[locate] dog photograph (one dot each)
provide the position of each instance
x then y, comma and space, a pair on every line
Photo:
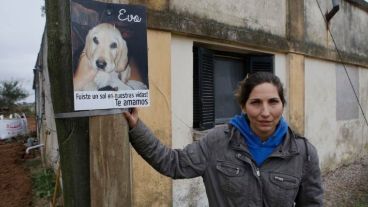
109, 54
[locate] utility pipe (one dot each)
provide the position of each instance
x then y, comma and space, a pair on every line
33, 147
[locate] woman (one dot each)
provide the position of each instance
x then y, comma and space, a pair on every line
256, 160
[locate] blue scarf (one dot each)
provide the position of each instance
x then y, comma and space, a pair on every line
258, 149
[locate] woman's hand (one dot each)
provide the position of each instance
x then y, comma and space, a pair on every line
132, 117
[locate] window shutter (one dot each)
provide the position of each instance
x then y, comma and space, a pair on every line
203, 89
261, 63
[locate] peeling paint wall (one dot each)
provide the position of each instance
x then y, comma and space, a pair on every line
269, 16
346, 92
363, 88
338, 141
348, 26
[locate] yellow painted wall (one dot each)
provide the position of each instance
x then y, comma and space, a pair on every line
149, 187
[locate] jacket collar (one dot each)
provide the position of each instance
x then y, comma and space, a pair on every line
286, 149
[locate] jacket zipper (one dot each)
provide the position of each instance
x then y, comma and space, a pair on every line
258, 172
282, 179
236, 169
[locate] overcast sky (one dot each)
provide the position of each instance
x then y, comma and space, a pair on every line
20, 38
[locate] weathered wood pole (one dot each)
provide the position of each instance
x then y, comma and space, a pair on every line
109, 161
72, 133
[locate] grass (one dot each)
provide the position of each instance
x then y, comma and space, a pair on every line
44, 183
362, 202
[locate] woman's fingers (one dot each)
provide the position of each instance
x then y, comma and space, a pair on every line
134, 112
132, 117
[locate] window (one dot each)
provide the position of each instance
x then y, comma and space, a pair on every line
215, 77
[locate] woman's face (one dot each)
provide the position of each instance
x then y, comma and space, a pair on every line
264, 109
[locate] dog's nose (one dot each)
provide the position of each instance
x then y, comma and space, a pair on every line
101, 64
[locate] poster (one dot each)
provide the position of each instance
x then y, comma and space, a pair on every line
109, 51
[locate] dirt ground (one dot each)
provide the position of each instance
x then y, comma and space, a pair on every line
348, 185
15, 181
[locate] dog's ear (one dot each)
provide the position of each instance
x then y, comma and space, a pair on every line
121, 60
88, 44
124, 76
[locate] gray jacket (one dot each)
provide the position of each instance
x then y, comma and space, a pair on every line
290, 176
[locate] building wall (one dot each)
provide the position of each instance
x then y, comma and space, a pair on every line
45, 113
186, 192
333, 120
239, 13
281, 26
282, 72
347, 27
150, 188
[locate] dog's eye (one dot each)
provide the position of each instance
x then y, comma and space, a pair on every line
95, 40
113, 45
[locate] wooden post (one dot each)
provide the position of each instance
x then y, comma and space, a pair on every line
72, 133
106, 135
110, 161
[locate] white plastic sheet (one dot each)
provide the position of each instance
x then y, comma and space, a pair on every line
13, 126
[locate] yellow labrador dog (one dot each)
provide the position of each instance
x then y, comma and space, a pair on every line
104, 61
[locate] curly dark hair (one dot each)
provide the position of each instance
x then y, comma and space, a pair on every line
246, 86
